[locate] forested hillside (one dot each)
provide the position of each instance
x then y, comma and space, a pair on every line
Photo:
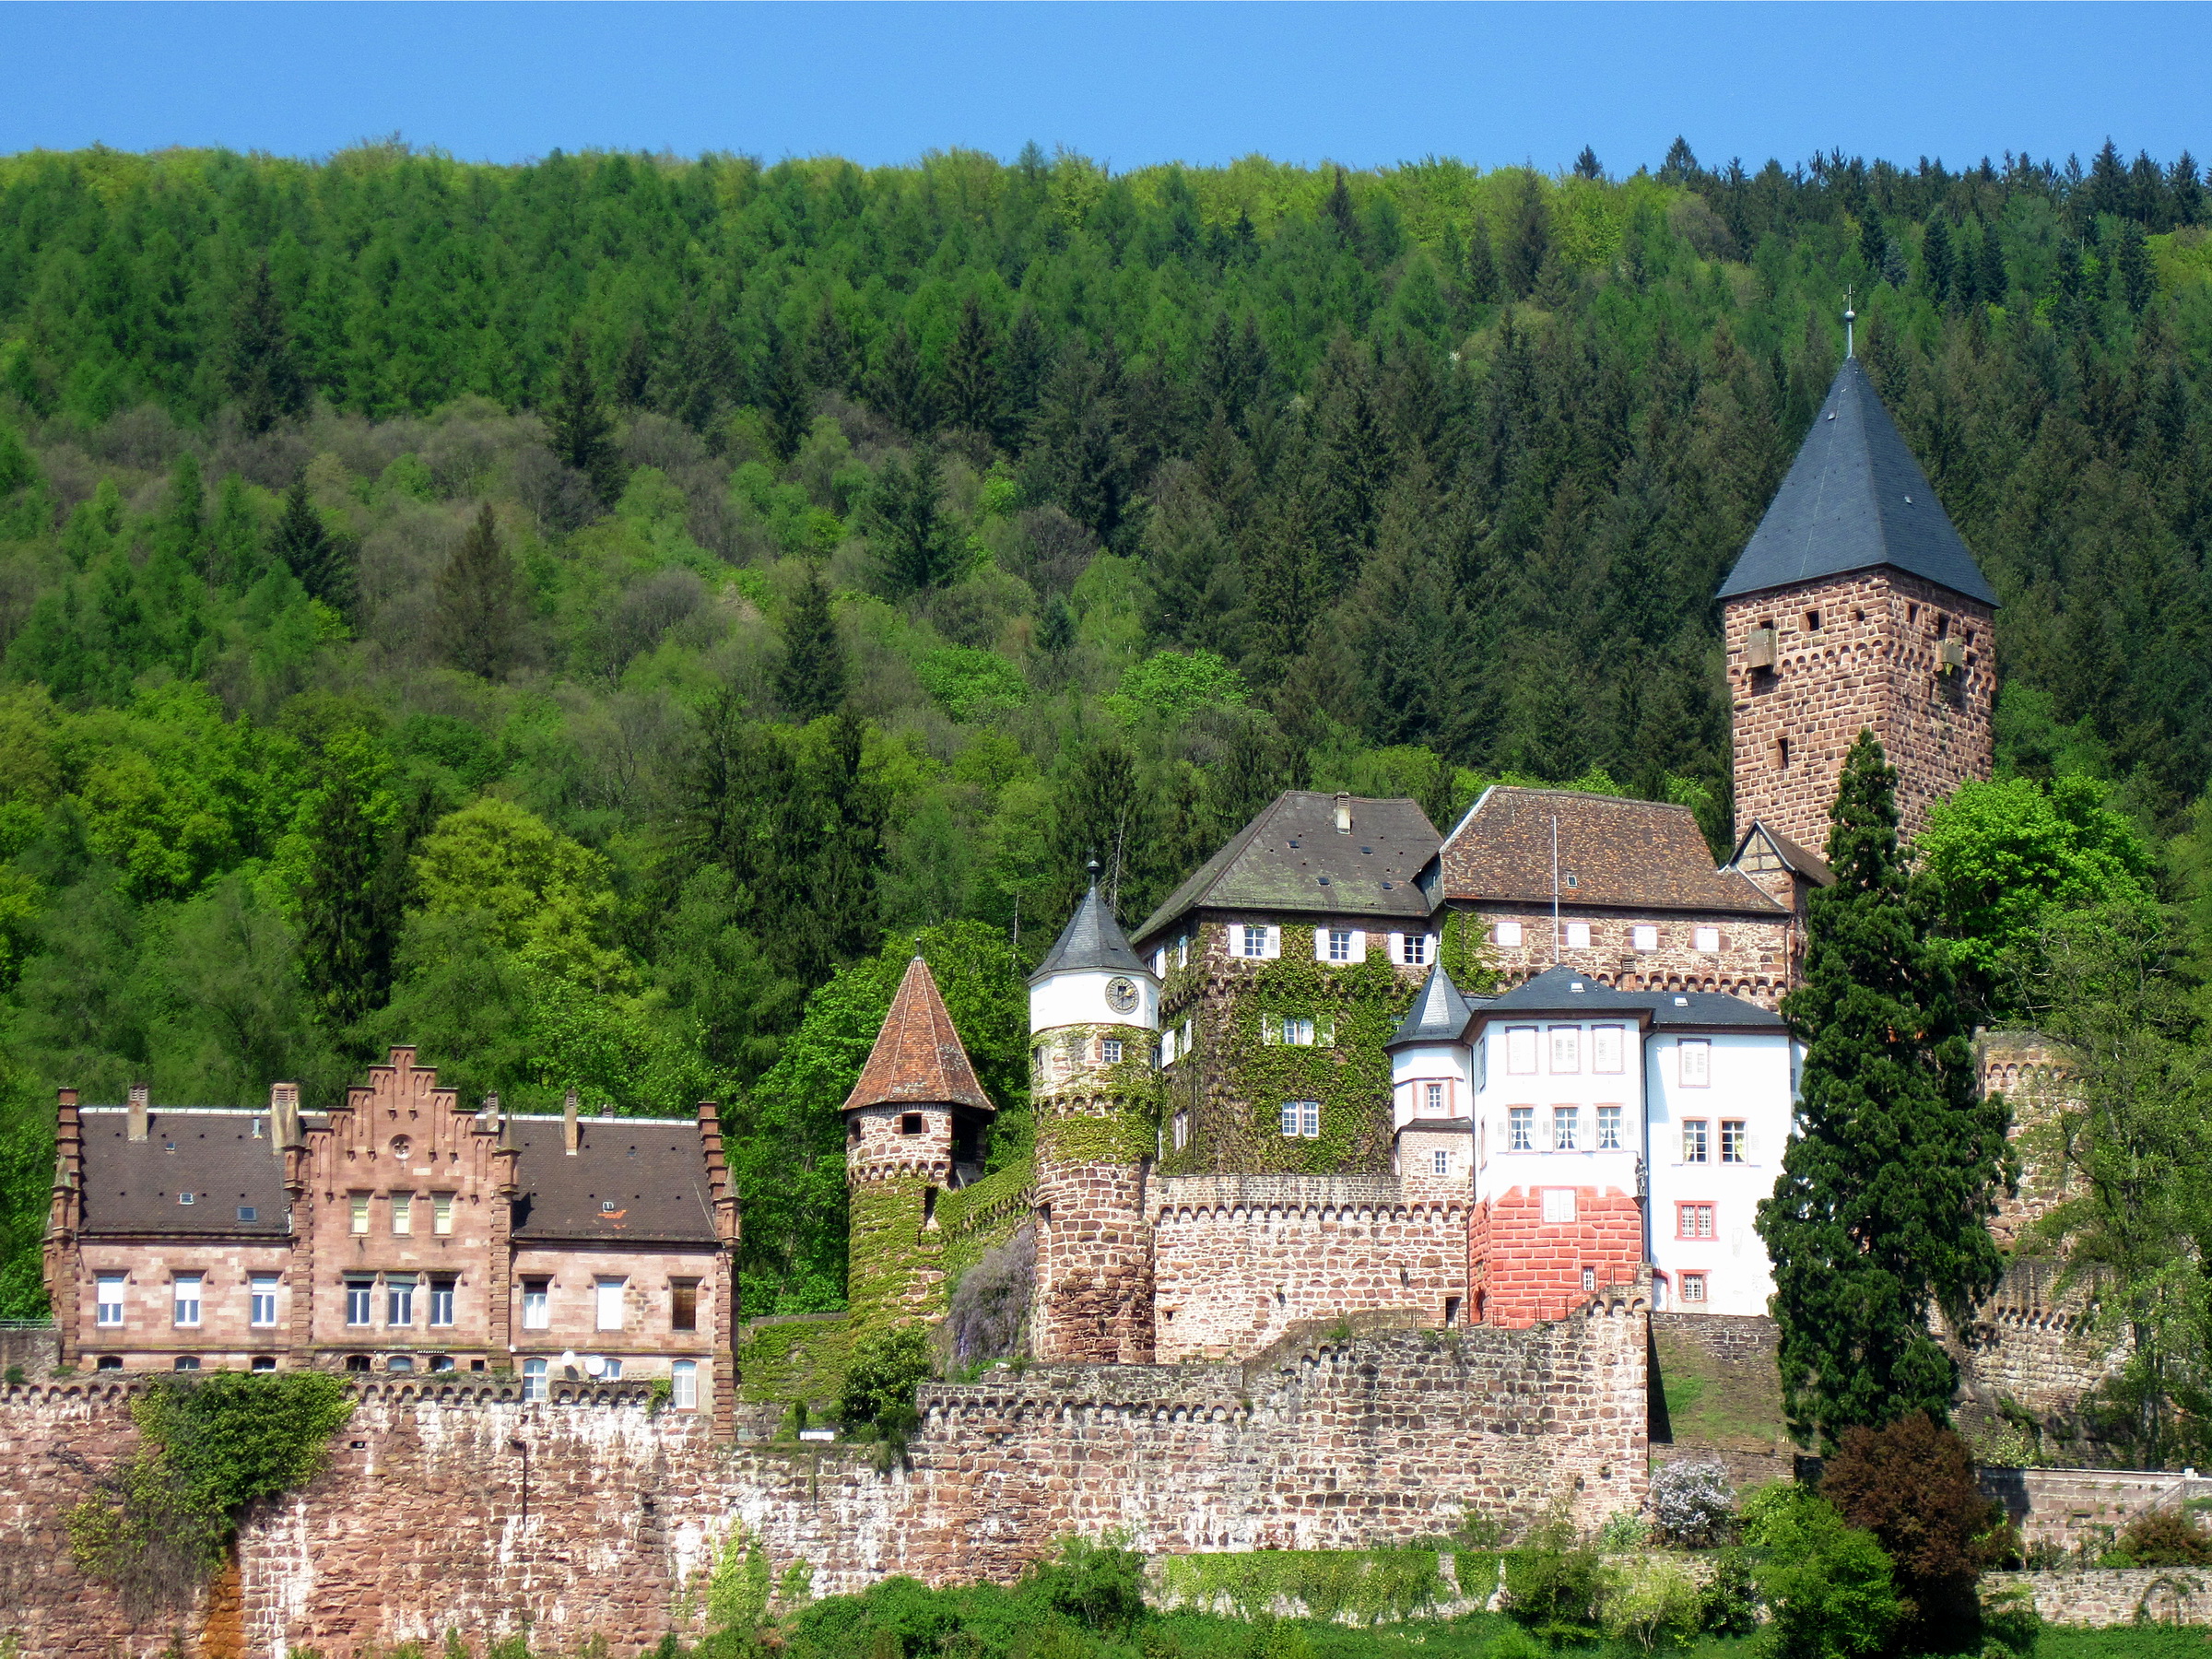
560, 615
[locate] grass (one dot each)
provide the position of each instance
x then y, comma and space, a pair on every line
1710, 1402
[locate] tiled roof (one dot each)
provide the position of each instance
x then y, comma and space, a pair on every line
1092, 938
1619, 854
633, 1180
1855, 500
137, 1186
917, 1056
1292, 857
1568, 991
1439, 1012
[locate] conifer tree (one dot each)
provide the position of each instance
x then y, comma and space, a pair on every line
1482, 263
1025, 363
1881, 1213
344, 940
477, 626
634, 379
811, 679
1874, 241
304, 545
897, 389
2186, 190
701, 369
971, 382
832, 360
1340, 216
919, 543
1936, 258
1586, 165
234, 541
577, 429
784, 397
1991, 283
2135, 279
1531, 240
259, 370
184, 527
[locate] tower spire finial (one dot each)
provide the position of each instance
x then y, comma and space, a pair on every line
1850, 316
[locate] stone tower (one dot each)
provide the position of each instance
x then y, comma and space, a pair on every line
1854, 604
1094, 1017
914, 1127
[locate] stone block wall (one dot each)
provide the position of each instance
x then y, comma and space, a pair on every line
2180, 1595
1755, 960
1093, 1295
1526, 1268
2070, 1507
1239, 1259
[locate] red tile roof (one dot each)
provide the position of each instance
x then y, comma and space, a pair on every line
1613, 851
917, 1056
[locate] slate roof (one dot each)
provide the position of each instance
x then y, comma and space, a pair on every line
1439, 1013
1292, 857
917, 1056
651, 1170
1647, 855
136, 1186
1569, 991
1092, 938
1855, 500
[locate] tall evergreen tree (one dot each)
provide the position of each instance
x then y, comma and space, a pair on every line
1936, 257
1482, 263
1531, 240
920, 544
784, 398
634, 379
1991, 284
1881, 1213
477, 626
1341, 215
969, 395
1586, 165
346, 935
2136, 281
810, 680
304, 545
577, 428
259, 369
700, 374
899, 389
1025, 363
844, 919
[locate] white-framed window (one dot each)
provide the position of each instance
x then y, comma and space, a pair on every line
607, 1302
1255, 940
261, 1299
399, 1301
1643, 936
360, 1298
1183, 951
1706, 939
107, 1304
1335, 944
683, 1385
1558, 1206
1577, 936
1109, 1051
1566, 1049
357, 1214
1566, 1129
403, 1215
1693, 1140
534, 1378
1301, 1119
1693, 1287
441, 1214
537, 1304
1607, 1043
1160, 963
1732, 1138
1413, 949
1521, 1051
1435, 1100
1520, 1129
610, 1370
1298, 1030
1608, 1129
1179, 1130
441, 1301
1694, 1063
1442, 1162
185, 1290
1507, 934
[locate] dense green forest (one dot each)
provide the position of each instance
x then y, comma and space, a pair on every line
560, 615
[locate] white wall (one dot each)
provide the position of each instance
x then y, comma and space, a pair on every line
1499, 1089
1079, 998
1449, 1063
1750, 1076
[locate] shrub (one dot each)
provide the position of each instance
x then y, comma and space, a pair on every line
2165, 1538
1650, 1604
1099, 1585
1624, 1533
1826, 1584
990, 1305
1552, 1584
1693, 1503
877, 1402
1729, 1605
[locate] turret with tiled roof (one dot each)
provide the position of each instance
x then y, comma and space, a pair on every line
918, 1056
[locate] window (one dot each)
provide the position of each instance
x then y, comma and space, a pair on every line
1109, 1051
1415, 948
359, 1292
1693, 1287
1301, 1119
1298, 1030
1183, 951
1558, 1204
534, 1378
608, 1302
441, 1301
357, 1216
1607, 1043
1577, 936
1432, 1099
107, 1362
1693, 1140
1694, 1220
1443, 1160
1160, 963
400, 1362
264, 1362
1338, 945
1732, 1140
402, 1214
1521, 1051
108, 1300
1450, 1311
261, 1303
399, 1301
1507, 934
1181, 1127
1696, 1062
441, 1214
357, 1362
1589, 1279
610, 1370
909, 1123
1253, 941
1782, 754
247, 1212
1520, 1129
187, 1298
1608, 1128
1566, 1127
442, 1362
1812, 625
187, 1362
683, 1305
1707, 939
683, 1385
537, 1304
1566, 1049
1643, 937
185, 1198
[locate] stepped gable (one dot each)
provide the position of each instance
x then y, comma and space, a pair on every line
1092, 939
1293, 857
651, 1170
1612, 851
917, 1057
1855, 499
224, 1159
1439, 1013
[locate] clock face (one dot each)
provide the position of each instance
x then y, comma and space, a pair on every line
1121, 994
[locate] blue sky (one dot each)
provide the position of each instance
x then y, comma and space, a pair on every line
1130, 83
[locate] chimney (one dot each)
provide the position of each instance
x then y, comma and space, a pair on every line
488, 1114
284, 1115
1344, 813
570, 1133
65, 1098
138, 1095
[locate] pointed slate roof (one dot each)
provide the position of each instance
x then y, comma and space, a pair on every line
1855, 500
1092, 938
1439, 1013
917, 1057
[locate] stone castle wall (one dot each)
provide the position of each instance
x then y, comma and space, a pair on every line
464, 1508
1755, 960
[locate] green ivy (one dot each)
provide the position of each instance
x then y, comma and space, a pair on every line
1464, 953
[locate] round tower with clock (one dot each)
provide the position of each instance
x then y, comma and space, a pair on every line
1094, 1019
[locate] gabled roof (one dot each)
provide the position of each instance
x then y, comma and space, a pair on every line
223, 1157
1791, 856
1439, 1013
632, 1180
917, 1057
1855, 500
1292, 857
1647, 855
1568, 989
1092, 938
